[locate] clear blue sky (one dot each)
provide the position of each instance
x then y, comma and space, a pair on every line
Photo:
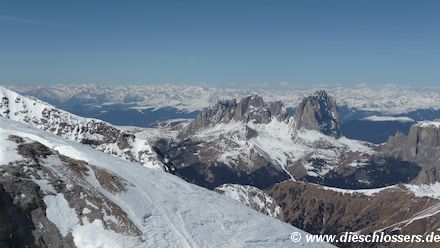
221, 42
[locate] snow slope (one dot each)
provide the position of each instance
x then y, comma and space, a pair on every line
252, 197
168, 211
276, 143
425, 190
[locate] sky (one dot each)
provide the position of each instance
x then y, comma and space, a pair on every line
226, 43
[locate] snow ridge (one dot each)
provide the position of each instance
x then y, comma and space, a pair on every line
98, 134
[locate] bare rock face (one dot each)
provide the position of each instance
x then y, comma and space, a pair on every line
422, 146
23, 218
318, 112
278, 110
251, 108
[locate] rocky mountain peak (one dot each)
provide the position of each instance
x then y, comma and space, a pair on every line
321, 94
318, 112
250, 108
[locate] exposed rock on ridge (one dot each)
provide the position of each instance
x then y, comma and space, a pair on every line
96, 133
250, 108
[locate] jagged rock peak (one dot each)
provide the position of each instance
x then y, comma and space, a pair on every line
250, 108
318, 112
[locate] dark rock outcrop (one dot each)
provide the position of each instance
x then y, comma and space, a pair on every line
375, 172
197, 163
22, 209
422, 146
318, 112
23, 206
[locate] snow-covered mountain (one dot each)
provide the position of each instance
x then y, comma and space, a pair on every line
250, 108
384, 99
96, 133
251, 145
60, 193
247, 142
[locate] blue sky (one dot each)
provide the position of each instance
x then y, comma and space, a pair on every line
301, 43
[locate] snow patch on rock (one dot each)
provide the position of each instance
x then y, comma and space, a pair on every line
59, 213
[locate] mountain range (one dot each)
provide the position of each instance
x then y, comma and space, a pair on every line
294, 166
387, 99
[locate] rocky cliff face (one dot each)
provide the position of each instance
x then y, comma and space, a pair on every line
318, 112
422, 146
251, 108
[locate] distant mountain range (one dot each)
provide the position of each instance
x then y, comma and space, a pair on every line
148, 106
384, 99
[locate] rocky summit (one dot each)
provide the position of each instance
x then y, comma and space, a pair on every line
251, 108
318, 112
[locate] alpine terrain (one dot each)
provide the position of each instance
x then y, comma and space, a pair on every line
66, 175
57, 193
